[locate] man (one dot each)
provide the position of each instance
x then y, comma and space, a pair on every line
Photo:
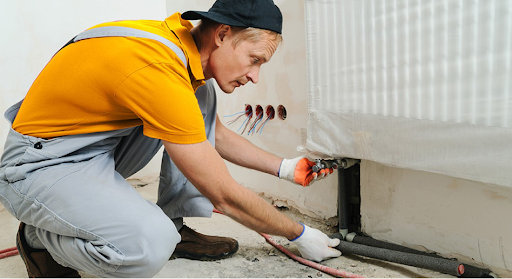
98, 112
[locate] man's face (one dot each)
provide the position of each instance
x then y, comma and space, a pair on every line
235, 66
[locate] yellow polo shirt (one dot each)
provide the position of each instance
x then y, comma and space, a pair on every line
111, 83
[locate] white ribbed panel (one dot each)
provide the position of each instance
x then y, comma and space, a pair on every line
446, 63
441, 60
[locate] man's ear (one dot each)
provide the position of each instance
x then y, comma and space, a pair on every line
221, 32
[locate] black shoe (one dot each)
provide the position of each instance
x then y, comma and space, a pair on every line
39, 262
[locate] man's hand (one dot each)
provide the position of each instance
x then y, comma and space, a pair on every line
315, 245
300, 171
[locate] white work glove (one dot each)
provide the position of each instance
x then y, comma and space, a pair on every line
300, 171
315, 245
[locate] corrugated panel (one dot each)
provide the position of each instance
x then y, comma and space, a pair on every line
437, 60
443, 61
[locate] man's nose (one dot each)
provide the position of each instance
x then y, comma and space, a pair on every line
253, 75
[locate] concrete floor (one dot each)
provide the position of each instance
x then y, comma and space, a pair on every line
255, 258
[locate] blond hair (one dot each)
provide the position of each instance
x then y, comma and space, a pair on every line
254, 35
241, 33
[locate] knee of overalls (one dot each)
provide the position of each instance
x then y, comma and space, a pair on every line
146, 249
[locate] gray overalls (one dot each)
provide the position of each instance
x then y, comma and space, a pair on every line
72, 189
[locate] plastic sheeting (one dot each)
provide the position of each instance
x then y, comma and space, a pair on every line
423, 85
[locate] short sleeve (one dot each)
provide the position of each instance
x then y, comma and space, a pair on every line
162, 96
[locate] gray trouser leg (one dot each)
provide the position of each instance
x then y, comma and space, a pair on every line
176, 195
84, 212
72, 190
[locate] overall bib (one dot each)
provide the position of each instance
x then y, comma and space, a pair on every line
72, 192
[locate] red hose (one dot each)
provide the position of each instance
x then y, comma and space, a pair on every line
329, 270
317, 266
9, 252
323, 268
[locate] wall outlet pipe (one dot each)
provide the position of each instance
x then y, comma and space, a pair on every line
469, 270
366, 240
343, 202
341, 164
437, 264
352, 243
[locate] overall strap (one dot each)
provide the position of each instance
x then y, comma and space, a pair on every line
120, 31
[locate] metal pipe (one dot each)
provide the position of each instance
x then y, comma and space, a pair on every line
343, 163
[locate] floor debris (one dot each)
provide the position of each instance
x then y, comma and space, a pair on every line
255, 258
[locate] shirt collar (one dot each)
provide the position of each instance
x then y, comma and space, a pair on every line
181, 28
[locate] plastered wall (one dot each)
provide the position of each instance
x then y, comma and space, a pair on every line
422, 88
283, 81
30, 38
32, 31
457, 218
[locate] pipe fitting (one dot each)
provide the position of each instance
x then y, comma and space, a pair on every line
343, 163
324, 164
346, 163
350, 237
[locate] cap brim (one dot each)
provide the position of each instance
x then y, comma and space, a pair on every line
194, 15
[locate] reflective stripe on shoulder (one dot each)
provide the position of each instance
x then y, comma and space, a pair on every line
120, 31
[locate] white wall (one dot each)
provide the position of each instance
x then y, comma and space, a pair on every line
421, 91
30, 37
32, 31
455, 217
283, 81
464, 218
